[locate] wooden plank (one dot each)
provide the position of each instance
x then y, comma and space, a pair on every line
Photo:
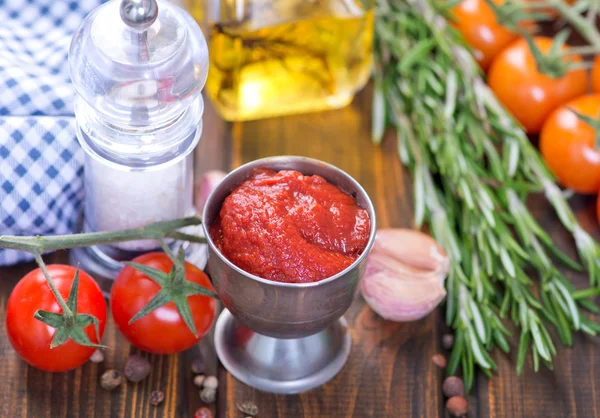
389, 372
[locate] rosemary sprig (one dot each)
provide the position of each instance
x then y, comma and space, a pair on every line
473, 167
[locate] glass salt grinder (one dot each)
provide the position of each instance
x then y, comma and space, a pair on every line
138, 67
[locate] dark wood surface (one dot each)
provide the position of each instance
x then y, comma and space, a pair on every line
389, 372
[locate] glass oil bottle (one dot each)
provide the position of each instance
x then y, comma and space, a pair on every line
276, 57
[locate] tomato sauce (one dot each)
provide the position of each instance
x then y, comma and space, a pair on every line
288, 227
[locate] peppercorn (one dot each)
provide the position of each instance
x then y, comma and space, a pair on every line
110, 379
211, 382
203, 413
97, 357
248, 408
208, 395
447, 341
199, 380
457, 406
198, 365
156, 397
453, 386
439, 360
137, 368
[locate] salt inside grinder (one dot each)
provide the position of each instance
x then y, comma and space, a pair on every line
138, 67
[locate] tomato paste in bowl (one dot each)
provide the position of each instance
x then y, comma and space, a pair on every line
288, 227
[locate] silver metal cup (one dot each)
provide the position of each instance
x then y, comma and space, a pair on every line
283, 337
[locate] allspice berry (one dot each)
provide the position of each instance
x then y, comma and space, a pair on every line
457, 406
199, 380
447, 341
157, 397
208, 395
198, 365
110, 379
203, 413
137, 368
453, 386
439, 360
211, 382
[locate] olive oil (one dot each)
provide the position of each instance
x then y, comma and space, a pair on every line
285, 56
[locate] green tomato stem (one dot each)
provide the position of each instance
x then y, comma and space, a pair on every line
167, 250
67, 313
586, 30
581, 50
38, 244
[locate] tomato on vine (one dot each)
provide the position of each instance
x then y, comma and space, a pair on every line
527, 93
570, 145
159, 307
478, 24
35, 321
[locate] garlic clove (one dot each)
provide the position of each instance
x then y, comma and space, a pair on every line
404, 279
205, 185
416, 251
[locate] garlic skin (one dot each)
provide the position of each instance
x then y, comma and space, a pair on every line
404, 279
205, 185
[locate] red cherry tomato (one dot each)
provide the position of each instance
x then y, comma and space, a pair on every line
529, 95
162, 331
568, 145
477, 23
31, 338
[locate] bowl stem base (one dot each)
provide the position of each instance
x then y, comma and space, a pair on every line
281, 365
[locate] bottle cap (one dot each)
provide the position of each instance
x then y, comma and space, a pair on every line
139, 63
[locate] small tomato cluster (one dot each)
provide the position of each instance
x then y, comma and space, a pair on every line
563, 108
161, 331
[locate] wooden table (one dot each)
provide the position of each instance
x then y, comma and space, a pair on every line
389, 372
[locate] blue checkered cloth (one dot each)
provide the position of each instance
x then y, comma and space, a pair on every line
41, 163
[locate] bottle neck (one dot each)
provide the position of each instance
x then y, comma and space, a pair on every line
138, 146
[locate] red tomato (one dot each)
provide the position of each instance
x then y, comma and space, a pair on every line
31, 338
596, 75
477, 23
529, 95
567, 145
162, 331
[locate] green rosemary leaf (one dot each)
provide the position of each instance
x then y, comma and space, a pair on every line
378, 125
522, 352
589, 305
457, 352
416, 54
586, 293
536, 359
501, 341
468, 366
572, 307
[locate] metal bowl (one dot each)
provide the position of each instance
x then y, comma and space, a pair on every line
296, 312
